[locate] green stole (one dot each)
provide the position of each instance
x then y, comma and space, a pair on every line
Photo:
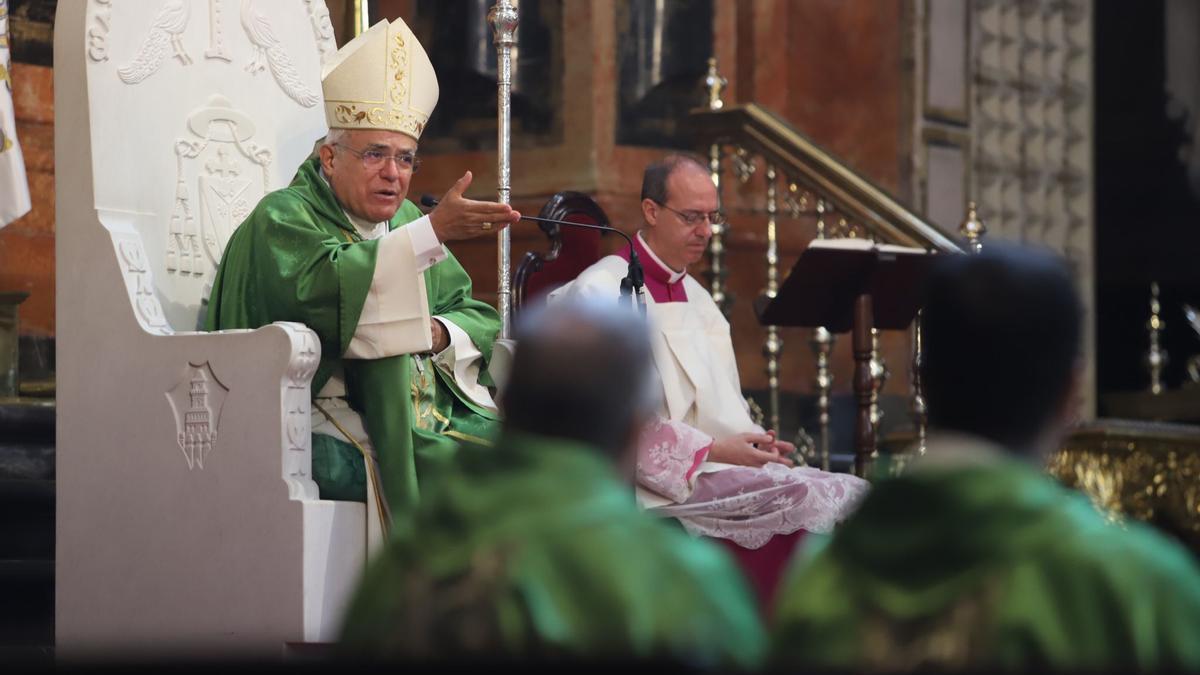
298, 258
536, 548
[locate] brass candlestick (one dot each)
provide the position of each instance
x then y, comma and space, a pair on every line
714, 84
1156, 356
973, 229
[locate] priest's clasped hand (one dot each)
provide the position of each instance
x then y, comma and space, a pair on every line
751, 449
457, 217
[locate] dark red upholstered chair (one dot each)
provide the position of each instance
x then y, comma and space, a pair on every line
572, 249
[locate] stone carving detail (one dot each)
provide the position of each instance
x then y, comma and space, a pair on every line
318, 14
1032, 126
136, 271
196, 402
97, 34
306, 355
216, 33
166, 31
222, 165
268, 48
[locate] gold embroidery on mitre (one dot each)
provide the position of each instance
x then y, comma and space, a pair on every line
399, 67
352, 114
406, 95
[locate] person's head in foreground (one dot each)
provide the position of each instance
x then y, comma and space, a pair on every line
534, 548
974, 556
582, 371
1001, 359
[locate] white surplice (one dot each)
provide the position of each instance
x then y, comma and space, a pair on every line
702, 400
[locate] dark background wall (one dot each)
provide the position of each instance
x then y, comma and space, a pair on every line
1147, 219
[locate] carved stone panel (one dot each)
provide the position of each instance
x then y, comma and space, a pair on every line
1029, 125
196, 402
221, 174
198, 109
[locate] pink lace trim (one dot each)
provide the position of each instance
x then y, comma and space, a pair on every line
746, 505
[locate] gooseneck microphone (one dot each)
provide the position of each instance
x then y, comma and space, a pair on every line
631, 285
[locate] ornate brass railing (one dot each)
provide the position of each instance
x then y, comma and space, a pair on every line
816, 185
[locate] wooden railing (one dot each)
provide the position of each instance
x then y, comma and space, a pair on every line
816, 184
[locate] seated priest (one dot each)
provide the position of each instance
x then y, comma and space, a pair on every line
533, 548
404, 347
975, 558
704, 460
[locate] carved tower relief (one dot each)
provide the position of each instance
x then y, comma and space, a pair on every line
196, 402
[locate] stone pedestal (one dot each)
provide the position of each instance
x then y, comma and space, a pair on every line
9, 323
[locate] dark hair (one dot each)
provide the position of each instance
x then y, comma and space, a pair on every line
584, 371
1002, 334
654, 180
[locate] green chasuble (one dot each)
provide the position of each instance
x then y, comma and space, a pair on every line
535, 549
994, 565
298, 258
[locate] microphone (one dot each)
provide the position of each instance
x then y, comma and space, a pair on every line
631, 285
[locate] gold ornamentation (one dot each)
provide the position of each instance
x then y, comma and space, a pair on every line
425, 412
950, 640
399, 63
715, 84
1156, 357
973, 229
352, 114
1143, 470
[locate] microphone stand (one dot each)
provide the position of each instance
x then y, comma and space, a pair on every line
635, 279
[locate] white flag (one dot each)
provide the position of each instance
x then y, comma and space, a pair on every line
14, 189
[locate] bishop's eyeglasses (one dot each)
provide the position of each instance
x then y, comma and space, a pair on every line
373, 159
694, 218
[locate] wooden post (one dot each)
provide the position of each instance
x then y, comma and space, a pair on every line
864, 438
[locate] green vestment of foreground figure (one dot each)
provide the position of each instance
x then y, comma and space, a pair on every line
993, 565
536, 548
298, 258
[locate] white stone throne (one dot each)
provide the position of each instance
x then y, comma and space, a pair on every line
187, 517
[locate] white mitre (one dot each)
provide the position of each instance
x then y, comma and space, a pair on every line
381, 79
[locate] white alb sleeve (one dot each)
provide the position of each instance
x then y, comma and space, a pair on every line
427, 250
395, 316
462, 360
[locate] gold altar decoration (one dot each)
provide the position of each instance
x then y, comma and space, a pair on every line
1144, 470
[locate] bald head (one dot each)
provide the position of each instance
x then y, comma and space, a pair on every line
582, 371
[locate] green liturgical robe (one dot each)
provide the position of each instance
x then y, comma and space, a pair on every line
535, 548
298, 258
994, 565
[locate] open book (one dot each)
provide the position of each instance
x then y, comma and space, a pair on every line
859, 244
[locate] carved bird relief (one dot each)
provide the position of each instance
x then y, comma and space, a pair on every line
267, 47
167, 29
